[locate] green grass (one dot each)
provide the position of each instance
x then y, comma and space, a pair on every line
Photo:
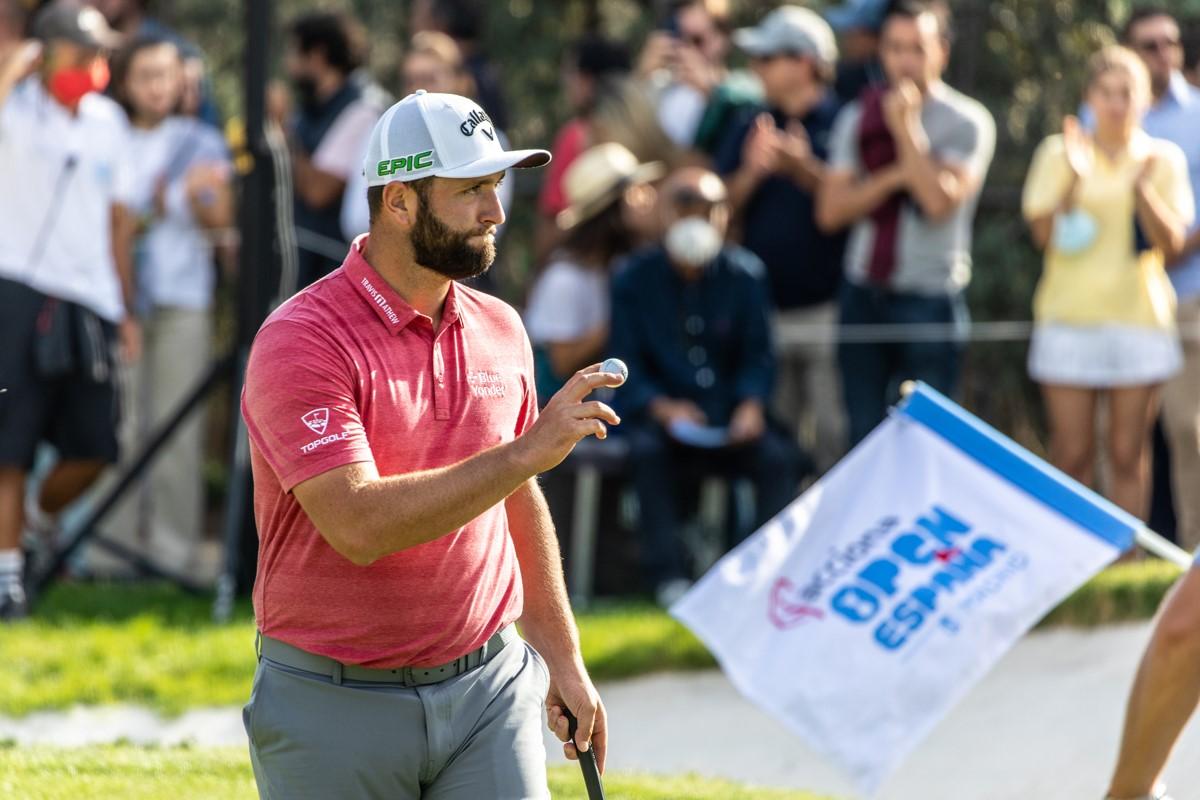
140, 773
1122, 593
155, 646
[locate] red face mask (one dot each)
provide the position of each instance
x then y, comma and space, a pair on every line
68, 86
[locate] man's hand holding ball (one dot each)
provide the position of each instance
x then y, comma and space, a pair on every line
569, 417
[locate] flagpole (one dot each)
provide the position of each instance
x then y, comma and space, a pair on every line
1156, 544
1147, 539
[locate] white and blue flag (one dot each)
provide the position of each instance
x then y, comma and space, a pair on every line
870, 606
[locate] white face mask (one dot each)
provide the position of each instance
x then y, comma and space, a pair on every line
692, 241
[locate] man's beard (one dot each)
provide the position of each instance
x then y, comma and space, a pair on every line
448, 252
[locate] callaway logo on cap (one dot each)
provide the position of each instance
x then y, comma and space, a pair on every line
446, 135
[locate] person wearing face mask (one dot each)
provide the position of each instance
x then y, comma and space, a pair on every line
327, 133
690, 318
181, 178
66, 276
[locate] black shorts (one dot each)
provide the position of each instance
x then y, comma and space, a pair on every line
75, 408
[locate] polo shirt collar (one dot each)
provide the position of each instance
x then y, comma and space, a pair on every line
1178, 89
1140, 145
452, 311
393, 311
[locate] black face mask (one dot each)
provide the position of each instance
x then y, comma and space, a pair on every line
306, 92
448, 252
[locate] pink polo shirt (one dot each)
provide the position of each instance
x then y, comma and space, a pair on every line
346, 371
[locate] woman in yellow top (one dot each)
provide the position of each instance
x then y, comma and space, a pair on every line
1107, 208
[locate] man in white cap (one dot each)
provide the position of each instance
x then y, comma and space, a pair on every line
773, 158
395, 443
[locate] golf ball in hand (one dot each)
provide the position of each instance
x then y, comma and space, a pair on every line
616, 366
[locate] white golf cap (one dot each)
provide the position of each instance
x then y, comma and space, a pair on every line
789, 29
430, 134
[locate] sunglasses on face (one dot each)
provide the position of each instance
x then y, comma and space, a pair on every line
689, 200
767, 58
1157, 45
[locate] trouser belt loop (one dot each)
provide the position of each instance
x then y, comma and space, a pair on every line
258, 645
337, 673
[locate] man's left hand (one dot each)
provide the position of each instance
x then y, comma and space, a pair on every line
693, 69
902, 109
570, 687
748, 422
795, 149
129, 333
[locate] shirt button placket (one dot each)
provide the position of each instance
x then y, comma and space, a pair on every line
441, 403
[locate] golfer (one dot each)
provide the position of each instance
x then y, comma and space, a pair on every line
395, 443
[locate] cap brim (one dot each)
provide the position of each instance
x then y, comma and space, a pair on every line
519, 159
750, 40
573, 215
843, 18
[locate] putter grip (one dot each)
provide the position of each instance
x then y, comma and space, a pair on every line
587, 761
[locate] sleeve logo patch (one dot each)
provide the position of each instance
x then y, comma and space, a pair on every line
316, 420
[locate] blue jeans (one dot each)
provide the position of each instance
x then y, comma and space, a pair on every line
873, 371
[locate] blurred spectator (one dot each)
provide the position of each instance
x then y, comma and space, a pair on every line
463, 21
1190, 40
328, 132
432, 62
65, 271
774, 160
690, 318
906, 166
180, 175
1107, 208
857, 23
1174, 115
567, 316
624, 113
13, 15
685, 61
129, 17
586, 66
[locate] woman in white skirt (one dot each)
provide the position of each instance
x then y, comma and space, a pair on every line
1107, 207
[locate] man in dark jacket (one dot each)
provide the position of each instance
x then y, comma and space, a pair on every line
690, 318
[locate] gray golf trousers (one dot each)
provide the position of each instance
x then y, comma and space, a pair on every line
477, 735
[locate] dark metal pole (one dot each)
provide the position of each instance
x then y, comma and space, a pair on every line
216, 372
256, 222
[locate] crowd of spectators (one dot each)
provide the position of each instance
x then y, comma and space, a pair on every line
722, 205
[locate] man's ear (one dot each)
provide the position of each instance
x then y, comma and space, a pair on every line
400, 202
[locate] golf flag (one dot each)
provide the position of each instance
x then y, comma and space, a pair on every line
870, 606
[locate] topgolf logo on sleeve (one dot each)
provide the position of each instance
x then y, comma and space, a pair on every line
316, 420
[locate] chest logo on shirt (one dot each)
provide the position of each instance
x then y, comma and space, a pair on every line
316, 420
485, 384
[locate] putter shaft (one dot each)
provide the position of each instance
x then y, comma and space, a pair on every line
587, 762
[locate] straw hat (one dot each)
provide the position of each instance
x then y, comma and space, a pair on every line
597, 177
